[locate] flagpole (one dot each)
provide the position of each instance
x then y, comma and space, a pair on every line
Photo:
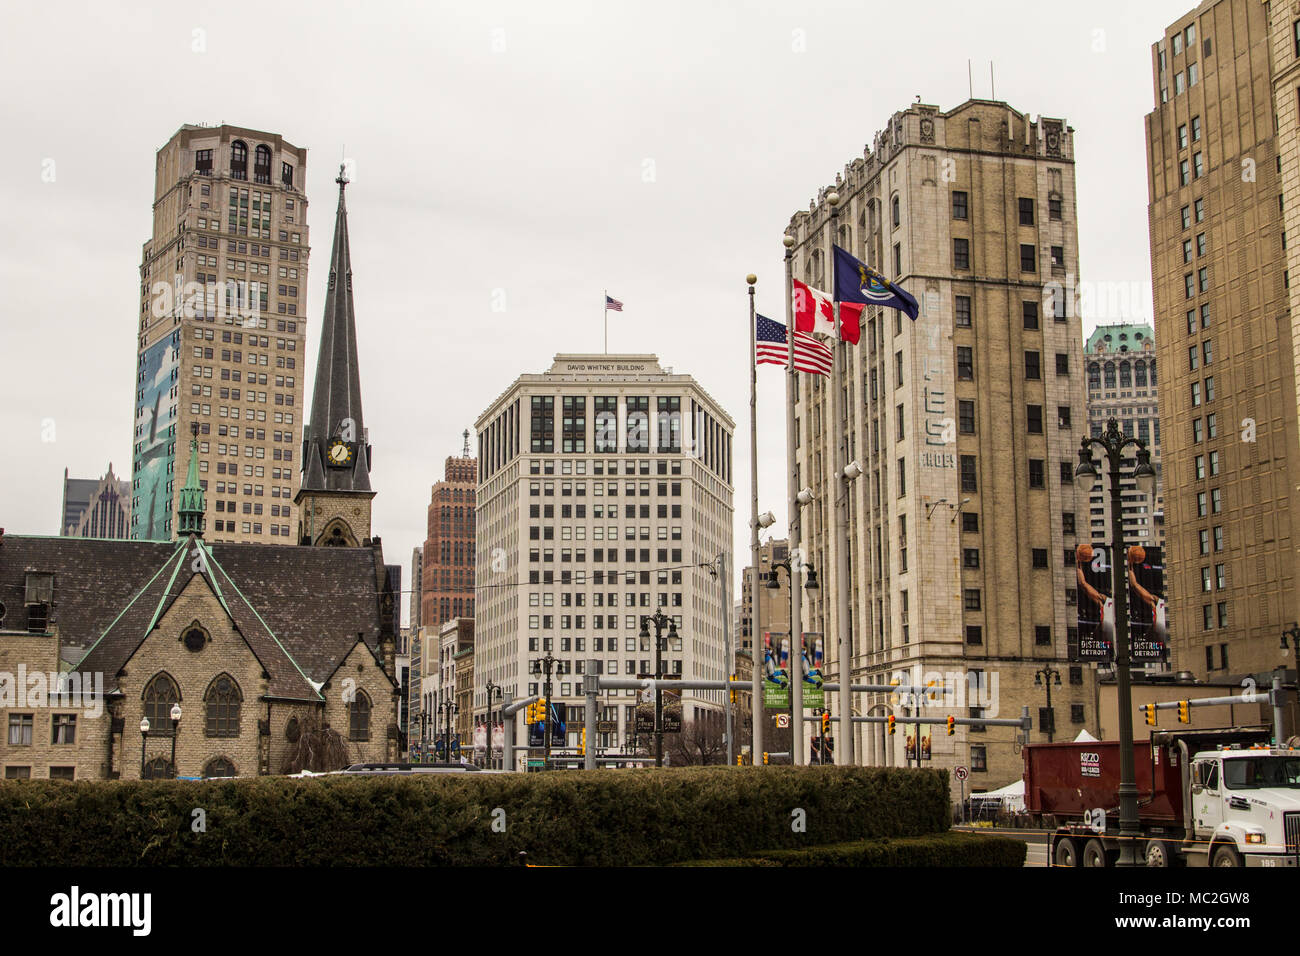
606, 321
797, 561
756, 604
839, 516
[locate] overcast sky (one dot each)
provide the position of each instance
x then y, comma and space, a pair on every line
534, 153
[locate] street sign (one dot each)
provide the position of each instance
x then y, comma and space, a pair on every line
607, 726
783, 721
961, 773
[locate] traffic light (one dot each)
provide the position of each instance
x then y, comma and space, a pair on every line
1184, 712
1150, 711
891, 723
582, 746
952, 726
740, 760
765, 761
826, 722
733, 690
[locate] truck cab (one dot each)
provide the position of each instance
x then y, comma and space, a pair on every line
1243, 807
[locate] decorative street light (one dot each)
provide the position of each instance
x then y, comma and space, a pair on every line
544, 665
144, 742
446, 708
660, 620
492, 689
176, 722
1113, 442
1045, 678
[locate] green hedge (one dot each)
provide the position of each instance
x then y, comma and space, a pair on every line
602, 817
943, 849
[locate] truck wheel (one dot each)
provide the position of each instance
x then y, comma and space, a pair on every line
1225, 855
1066, 853
1094, 853
1158, 853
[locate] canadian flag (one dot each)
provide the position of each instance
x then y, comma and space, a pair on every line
814, 312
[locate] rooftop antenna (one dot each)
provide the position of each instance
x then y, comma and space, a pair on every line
465, 452
970, 82
993, 93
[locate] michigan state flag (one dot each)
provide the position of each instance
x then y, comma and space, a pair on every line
855, 281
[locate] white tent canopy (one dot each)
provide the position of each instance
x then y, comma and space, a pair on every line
1084, 737
1012, 796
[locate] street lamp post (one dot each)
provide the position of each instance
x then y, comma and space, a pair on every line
144, 742
546, 665
447, 708
492, 689
1112, 443
810, 584
176, 722
660, 620
1044, 678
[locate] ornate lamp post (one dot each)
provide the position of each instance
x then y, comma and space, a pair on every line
660, 620
1112, 443
144, 742
176, 722
493, 689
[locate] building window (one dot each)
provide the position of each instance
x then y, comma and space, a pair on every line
574, 424
1039, 557
359, 717
966, 416
968, 481
959, 206
1028, 259
1026, 211
286, 174
63, 729
20, 730
965, 363
222, 703
219, 767
961, 253
543, 423
970, 522
978, 759
974, 634
1034, 419
963, 312
1036, 473
971, 599
159, 696
970, 558
1029, 313
1042, 635
262, 165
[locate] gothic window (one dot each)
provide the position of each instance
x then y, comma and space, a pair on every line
159, 768
359, 717
219, 767
221, 704
159, 695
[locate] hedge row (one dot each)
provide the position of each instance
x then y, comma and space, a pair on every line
942, 849
602, 817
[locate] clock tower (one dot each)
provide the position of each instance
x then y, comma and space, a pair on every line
334, 499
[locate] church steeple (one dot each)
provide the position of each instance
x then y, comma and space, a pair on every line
190, 501
336, 448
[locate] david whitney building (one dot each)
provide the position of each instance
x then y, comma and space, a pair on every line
604, 485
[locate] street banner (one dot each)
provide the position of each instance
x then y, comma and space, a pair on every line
814, 697
776, 667
1096, 605
1147, 611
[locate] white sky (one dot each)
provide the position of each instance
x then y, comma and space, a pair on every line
521, 169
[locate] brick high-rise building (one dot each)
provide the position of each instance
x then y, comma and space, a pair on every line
1121, 369
966, 424
448, 565
774, 603
1216, 149
222, 327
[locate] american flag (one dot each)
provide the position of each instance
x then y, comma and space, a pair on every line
612, 304
773, 349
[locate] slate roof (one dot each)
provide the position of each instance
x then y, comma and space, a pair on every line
299, 608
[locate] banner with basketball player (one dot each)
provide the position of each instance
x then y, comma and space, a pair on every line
1148, 628
1096, 605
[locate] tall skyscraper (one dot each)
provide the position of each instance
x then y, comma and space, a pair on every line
223, 286
604, 487
96, 508
1121, 369
1223, 334
448, 565
966, 425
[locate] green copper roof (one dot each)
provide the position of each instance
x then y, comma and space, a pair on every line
191, 505
1113, 338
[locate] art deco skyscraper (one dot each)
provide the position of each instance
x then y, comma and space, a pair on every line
1223, 334
965, 423
222, 328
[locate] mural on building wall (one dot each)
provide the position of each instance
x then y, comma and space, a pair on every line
155, 426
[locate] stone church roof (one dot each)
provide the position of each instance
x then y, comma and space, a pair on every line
300, 609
